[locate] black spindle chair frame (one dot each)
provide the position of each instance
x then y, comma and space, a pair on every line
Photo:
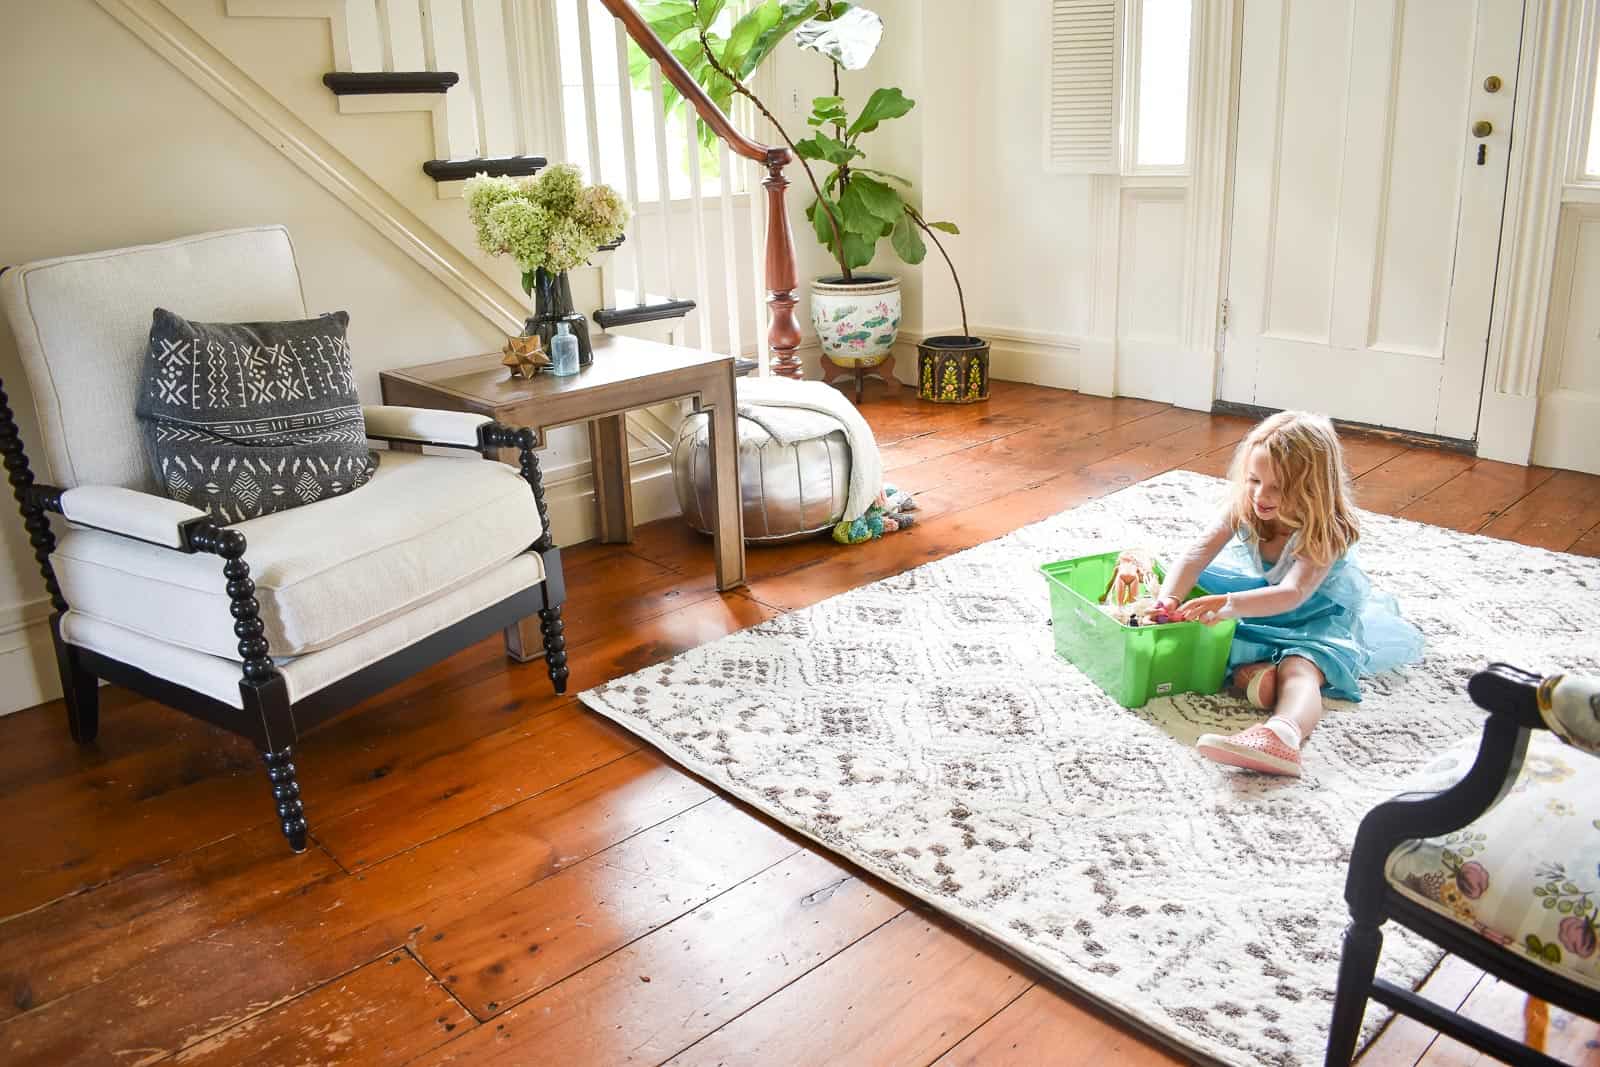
269, 719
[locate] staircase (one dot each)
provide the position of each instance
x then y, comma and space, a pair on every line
487, 78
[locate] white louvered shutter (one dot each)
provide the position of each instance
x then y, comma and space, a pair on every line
1085, 73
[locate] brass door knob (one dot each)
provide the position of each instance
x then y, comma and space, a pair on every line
1482, 128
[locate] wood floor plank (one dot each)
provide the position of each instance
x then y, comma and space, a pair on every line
1472, 499
537, 936
646, 1002
187, 991
1408, 477
1365, 452
495, 772
83, 939
1556, 515
1403, 1042
1561, 1035
905, 993
389, 1012
1588, 544
1044, 1026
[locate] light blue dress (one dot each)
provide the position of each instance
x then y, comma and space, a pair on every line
1346, 628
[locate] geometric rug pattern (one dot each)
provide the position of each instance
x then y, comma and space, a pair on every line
923, 728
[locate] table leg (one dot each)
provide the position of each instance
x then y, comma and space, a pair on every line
613, 497
728, 527
524, 640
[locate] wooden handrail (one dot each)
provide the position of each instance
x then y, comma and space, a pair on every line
783, 331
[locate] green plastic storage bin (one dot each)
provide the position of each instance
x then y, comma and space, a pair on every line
1131, 663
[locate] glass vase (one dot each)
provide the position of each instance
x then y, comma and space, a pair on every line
552, 305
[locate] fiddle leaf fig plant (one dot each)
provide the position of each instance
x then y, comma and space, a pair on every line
855, 206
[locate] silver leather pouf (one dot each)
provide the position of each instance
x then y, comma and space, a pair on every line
789, 491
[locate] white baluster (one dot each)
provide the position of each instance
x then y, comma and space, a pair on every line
630, 160
663, 182
586, 65
365, 36
491, 76
445, 40
402, 20
730, 260
697, 223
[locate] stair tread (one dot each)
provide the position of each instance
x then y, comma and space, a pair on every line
657, 309
445, 170
368, 83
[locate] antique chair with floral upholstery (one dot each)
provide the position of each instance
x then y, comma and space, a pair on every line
308, 610
1496, 859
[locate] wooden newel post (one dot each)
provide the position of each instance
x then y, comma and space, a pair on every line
783, 335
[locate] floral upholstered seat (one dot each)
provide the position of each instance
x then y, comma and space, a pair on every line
1527, 873
1509, 879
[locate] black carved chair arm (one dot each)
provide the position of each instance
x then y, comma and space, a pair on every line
1510, 696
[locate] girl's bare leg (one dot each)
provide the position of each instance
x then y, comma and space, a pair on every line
1299, 694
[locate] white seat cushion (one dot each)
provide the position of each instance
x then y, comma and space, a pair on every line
324, 572
304, 675
1526, 875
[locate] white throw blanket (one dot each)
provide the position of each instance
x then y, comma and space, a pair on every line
866, 466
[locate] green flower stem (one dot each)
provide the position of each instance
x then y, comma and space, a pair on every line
922, 224
740, 88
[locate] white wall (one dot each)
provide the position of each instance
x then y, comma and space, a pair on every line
1568, 428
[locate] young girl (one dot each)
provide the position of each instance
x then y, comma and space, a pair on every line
1278, 560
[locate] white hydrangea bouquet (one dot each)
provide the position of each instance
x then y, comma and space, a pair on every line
549, 223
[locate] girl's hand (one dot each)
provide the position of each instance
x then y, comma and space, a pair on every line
1203, 609
1169, 604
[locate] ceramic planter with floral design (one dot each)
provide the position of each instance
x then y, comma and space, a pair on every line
856, 322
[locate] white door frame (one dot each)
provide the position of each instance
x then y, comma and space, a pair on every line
1545, 89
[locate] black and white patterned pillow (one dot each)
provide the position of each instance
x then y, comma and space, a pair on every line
244, 419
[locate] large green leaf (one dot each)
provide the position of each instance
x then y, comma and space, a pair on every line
858, 249
858, 218
670, 19
791, 13
820, 223
849, 38
882, 105
878, 198
828, 149
756, 21
709, 10
883, 174
907, 242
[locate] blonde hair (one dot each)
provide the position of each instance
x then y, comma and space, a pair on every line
1308, 463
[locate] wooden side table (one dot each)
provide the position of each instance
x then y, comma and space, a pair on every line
627, 373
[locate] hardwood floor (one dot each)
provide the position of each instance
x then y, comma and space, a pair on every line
499, 876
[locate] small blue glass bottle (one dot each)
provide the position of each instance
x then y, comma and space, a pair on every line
563, 352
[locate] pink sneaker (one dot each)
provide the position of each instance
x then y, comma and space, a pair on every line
1256, 749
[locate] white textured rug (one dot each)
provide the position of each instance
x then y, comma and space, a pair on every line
923, 728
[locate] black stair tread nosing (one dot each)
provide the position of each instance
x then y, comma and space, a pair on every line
366, 83
632, 316
450, 170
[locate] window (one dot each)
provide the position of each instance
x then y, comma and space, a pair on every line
1119, 86
1161, 120
608, 114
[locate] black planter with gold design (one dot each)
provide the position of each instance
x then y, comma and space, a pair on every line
952, 369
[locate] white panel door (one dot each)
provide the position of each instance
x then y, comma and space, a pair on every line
1365, 227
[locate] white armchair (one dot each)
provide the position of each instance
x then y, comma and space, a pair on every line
312, 609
